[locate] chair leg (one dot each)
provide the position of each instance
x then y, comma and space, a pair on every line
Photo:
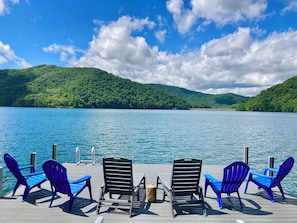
39, 185
171, 204
90, 188
239, 198
205, 187
270, 194
71, 201
53, 197
131, 205
98, 207
144, 182
26, 193
101, 197
200, 191
138, 193
246, 186
281, 190
15, 188
220, 201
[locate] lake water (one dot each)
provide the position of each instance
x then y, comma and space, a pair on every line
149, 136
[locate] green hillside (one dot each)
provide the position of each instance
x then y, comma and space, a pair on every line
201, 100
279, 98
53, 86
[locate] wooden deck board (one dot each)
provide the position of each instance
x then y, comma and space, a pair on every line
257, 207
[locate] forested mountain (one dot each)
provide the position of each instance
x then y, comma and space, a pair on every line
201, 100
279, 98
53, 86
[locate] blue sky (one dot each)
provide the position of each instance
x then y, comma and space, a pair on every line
217, 46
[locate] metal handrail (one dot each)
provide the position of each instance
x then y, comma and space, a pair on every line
79, 160
93, 152
77, 152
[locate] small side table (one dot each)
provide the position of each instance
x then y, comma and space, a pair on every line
151, 193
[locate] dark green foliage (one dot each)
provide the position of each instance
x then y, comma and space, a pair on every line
201, 100
13, 85
53, 86
279, 98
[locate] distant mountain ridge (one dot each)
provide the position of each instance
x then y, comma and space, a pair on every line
201, 100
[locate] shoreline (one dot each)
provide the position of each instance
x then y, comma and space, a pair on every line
214, 109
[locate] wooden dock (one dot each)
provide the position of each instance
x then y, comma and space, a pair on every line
257, 207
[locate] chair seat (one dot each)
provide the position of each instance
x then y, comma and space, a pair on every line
264, 181
77, 188
36, 179
216, 184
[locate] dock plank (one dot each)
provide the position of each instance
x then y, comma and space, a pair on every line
257, 207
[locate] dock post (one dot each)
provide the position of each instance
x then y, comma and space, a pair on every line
1, 181
33, 160
271, 164
246, 155
54, 152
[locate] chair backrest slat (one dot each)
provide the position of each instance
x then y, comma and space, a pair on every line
186, 176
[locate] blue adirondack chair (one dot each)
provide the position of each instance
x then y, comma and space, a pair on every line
234, 175
57, 175
29, 180
268, 182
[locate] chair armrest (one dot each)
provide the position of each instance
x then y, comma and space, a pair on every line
260, 175
27, 167
211, 178
270, 169
33, 174
165, 180
138, 178
82, 179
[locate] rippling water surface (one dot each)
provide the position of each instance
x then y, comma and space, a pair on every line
149, 136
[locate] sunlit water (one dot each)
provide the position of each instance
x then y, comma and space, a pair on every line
149, 136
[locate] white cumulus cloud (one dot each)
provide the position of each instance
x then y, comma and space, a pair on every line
161, 35
66, 52
183, 17
7, 55
5, 6
220, 12
118, 49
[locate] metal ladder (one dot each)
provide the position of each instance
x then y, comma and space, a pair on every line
80, 161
